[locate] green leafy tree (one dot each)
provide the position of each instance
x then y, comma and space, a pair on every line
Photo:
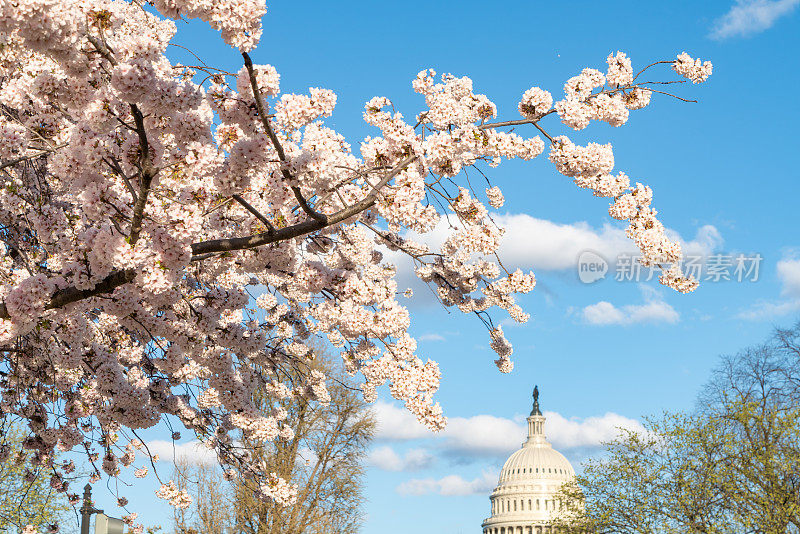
731, 466
26, 496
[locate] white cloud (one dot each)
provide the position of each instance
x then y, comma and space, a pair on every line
452, 485
488, 435
789, 274
482, 435
543, 245
387, 459
603, 313
431, 337
707, 240
788, 270
497, 436
193, 451
395, 423
589, 432
748, 17
653, 310
762, 310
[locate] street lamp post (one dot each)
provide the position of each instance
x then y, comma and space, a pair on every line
102, 523
87, 509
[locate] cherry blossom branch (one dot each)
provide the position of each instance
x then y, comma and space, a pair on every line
70, 295
302, 228
202, 249
547, 135
385, 236
651, 65
490, 125
518, 122
20, 159
255, 212
114, 164
147, 169
673, 96
261, 108
102, 49
148, 173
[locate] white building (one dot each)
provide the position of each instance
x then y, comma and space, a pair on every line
525, 497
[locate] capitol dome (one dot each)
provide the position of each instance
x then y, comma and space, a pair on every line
524, 500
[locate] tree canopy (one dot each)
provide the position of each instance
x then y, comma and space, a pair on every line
28, 493
176, 237
733, 465
324, 461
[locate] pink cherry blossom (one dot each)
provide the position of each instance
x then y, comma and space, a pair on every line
178, 236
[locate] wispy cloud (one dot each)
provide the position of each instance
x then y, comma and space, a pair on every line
764, 310
748, 17
193, 452
788, 271
431, 337
654, 310
451, 485
397, 424
488, 435
387, 459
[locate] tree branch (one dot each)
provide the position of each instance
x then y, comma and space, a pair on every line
302, 228
70, 295
147, 169
202, 249
41, 152
148, 173
255, 212
102, 49
248, 63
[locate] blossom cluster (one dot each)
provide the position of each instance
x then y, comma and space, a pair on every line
239, 21
618, 93
694, 69
278, 490
174, 241
178, 498
13, 139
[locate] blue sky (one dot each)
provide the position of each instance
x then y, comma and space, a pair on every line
724, 177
